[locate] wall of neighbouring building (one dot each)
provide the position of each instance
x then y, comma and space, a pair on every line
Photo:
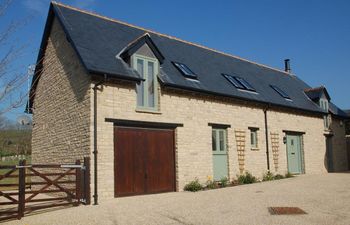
339, 148
61, 114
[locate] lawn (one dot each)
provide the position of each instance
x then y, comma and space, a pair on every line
10, 180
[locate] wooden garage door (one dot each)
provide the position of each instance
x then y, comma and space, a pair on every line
144, 161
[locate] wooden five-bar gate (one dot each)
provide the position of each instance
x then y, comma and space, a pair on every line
25, 188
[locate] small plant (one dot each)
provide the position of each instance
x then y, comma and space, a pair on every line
278, 176
224, 182
268, 176
246, 178
210, 184
288, 175
193, 186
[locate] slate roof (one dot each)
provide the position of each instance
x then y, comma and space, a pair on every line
98, 41
316, 93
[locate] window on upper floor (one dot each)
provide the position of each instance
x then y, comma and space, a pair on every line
187, 72
239, 82
147, 94
325, 106
280, 92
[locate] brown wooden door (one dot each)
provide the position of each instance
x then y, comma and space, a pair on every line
144, 161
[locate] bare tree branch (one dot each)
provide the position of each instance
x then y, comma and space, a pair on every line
11, 82
4, 4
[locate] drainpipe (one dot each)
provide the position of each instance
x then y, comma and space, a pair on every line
267, 138
96, 88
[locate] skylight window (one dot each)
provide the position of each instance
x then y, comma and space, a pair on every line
280, 92
239, 82
187, 72
234, 81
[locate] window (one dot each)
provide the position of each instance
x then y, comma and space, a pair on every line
219, 140
239, 82
187, 72
254, 138
280, 92
324, 104
326, 119
147, 96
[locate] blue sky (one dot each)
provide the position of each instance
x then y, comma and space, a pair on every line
315, 35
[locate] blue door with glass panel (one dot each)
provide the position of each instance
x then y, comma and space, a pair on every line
220, 166
294, 154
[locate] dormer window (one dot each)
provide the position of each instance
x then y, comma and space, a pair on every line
147, 95
324, 105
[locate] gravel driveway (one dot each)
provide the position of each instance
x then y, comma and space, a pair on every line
325, 198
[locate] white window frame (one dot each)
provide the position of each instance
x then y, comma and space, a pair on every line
155, 62
255, 145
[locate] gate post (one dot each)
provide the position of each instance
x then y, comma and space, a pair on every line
87, 190
78, 182
21, 188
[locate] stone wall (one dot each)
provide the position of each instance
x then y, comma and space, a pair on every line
193, 140
63, 123
61, 114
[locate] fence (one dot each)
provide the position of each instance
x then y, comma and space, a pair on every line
37, 186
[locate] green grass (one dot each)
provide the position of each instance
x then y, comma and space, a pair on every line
11, 180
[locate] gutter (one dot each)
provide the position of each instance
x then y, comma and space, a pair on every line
267, 137
97, 86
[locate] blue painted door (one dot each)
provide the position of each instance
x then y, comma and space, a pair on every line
294, 154
220, 166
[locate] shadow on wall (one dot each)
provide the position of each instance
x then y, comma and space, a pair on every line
328, 159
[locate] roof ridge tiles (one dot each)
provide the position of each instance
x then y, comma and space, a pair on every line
315, 88
167, 36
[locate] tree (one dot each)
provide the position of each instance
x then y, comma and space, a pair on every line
12, 77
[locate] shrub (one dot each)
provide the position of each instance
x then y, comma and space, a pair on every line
224, 182
246, 178
193, 186
278, 176
289, 175
268, 176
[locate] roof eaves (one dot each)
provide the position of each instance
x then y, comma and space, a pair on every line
179, 87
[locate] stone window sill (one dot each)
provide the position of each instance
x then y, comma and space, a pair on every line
141, 110
254, 149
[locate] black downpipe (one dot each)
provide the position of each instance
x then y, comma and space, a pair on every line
95, 88
267, 139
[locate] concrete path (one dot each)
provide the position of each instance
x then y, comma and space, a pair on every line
325, 198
